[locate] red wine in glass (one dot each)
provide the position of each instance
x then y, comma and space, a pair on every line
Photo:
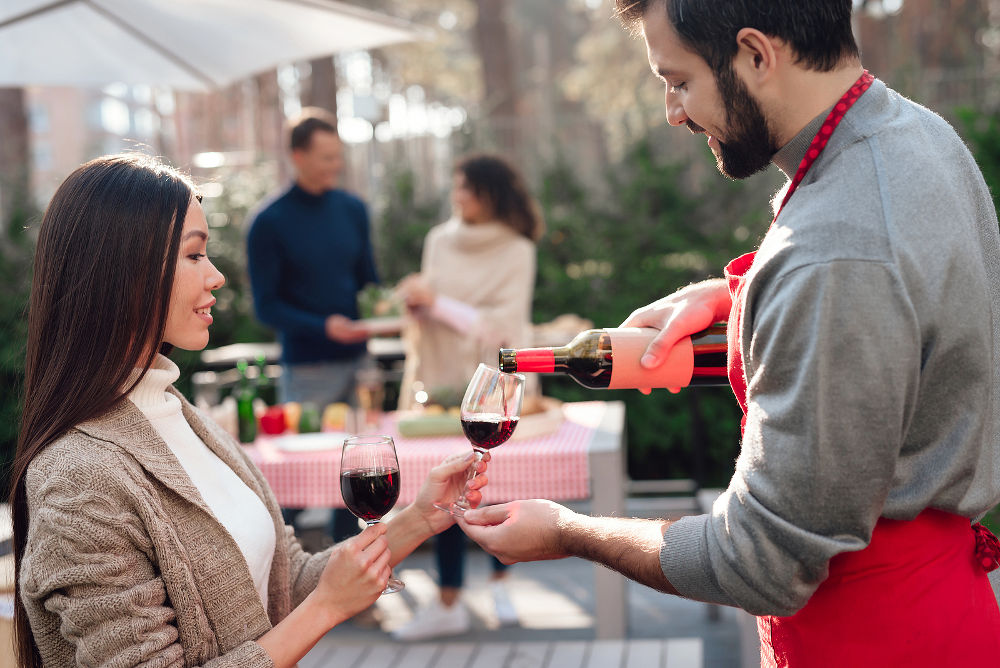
491, 409
369, 482
486, 430
370, 494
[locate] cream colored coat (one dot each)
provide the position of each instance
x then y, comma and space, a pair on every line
488, 266
125, 563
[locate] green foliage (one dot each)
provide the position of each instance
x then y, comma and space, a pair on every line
16, 253
992, 520
400, 230
982, 131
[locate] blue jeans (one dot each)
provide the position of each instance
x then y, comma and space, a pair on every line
449, 550
322, 383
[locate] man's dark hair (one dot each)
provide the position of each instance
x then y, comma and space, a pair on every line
819, 31
307, 123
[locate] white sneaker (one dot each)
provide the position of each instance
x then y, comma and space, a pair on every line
435, 621
506, 613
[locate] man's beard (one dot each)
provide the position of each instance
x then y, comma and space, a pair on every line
750, 145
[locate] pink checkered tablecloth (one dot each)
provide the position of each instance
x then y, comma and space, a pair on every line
552, 466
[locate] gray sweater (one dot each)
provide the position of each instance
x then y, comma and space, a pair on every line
871, 343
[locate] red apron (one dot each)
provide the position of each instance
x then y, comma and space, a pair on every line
918, 595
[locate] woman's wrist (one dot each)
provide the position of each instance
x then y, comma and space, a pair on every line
414, 522
406, 531
327, 616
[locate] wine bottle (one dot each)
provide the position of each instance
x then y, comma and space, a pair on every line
245, 395
608, 359
265, 387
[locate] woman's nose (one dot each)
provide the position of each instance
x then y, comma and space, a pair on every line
215, 279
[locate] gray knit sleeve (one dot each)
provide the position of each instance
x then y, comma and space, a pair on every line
832, 357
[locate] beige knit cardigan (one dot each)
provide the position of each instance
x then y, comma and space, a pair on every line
125, 564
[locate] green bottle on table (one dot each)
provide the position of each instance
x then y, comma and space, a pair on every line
245, 395
266, 389
310, 420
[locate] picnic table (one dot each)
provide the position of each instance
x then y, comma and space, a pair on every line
582, 459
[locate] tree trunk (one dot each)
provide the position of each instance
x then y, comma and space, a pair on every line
491, 37
269, 120
322, 89
15, 156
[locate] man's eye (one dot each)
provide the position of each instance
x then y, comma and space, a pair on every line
676, 88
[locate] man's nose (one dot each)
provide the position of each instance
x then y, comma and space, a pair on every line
675, 110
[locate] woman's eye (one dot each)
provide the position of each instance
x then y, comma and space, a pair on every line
196, 256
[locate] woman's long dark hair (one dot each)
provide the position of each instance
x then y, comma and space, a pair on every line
494, 181
104, 268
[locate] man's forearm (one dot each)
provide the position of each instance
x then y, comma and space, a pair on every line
629, 546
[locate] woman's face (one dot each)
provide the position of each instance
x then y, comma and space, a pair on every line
195, 278
468, 207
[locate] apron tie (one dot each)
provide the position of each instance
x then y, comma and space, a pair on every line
987, 547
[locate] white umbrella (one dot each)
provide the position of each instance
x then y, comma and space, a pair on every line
184, 44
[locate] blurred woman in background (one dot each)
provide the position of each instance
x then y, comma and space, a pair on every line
472, 296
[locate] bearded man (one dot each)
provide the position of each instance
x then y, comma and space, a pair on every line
864, 350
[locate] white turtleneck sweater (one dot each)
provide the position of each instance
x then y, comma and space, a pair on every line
234, 504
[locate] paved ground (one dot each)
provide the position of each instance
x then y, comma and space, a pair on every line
555, 602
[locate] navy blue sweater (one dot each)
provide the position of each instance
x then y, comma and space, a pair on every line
308, 256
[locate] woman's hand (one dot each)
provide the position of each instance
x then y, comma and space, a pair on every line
415, 292
355, 575
445, 483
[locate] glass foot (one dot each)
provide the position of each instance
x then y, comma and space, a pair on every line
393, 585
454, 509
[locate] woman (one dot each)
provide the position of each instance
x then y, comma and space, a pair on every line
471, 297
142, 532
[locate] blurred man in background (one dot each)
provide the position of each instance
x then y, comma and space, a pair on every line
309, 253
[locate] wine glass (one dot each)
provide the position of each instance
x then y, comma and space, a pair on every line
491, 409
369, 482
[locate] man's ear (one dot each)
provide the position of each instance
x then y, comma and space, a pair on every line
756, 57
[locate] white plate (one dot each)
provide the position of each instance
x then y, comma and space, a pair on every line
314, 442
382, 326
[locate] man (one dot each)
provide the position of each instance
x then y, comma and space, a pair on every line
309, 253
864, 348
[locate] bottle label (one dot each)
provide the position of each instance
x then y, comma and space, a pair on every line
628, 344
540, 360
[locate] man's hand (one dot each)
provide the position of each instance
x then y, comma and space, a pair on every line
344, 330
536, 530
445, 483
519, 530
683, 313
